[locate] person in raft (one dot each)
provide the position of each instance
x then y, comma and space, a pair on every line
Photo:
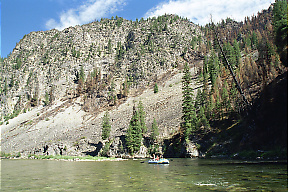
157, 158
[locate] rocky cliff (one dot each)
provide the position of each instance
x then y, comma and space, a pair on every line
56, 85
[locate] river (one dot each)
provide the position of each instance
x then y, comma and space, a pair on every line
136, 175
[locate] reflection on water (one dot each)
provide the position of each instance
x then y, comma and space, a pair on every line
180, 175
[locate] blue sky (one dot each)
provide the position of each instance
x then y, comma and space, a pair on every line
20, 17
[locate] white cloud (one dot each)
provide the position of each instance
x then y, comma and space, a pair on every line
199, 11
87, 12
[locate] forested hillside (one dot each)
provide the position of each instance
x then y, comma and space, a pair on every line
242, 104
162, 85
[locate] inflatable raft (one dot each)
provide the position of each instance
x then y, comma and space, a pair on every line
160, 161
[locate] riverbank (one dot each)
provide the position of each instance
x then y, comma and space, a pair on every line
60, 157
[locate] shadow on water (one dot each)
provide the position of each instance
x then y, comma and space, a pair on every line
245, 163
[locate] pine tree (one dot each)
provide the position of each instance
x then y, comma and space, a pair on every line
205, 84
230, 53
254, 40
109, 46
125, 88
202, 119
205, 69
82, 74
237, 52
111, 94
210, 107
198, 100
106, 127
280, 28
247, 41
213, 67
189, 115
142, 117
155, 88
46, 101
134, 133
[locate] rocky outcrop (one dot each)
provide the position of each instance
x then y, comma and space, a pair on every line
65, 128
192, 150
56, 85
47, 62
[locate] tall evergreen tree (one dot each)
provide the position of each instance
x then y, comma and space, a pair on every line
237, 52
198, 100
106, 127
189, 114
254, 40
134, 133
280, 28
202, 119
230, 53
205, 84
210, 107
213, 67
142, 117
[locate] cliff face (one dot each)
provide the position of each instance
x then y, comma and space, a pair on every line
60, 82
56, 86
48, 62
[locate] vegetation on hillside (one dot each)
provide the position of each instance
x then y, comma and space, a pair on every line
240, 81
134, 133
106, 127
280, 29
241, 63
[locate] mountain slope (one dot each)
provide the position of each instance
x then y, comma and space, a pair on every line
63, 81
57, 85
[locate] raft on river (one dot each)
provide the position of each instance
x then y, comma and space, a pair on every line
158, 161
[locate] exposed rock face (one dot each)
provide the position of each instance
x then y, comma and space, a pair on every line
59, 114
47, 62
191, 150
65, 128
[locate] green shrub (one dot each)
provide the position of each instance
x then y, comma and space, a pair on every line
156, 88
18, 155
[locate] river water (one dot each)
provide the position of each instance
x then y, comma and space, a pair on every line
136, 175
